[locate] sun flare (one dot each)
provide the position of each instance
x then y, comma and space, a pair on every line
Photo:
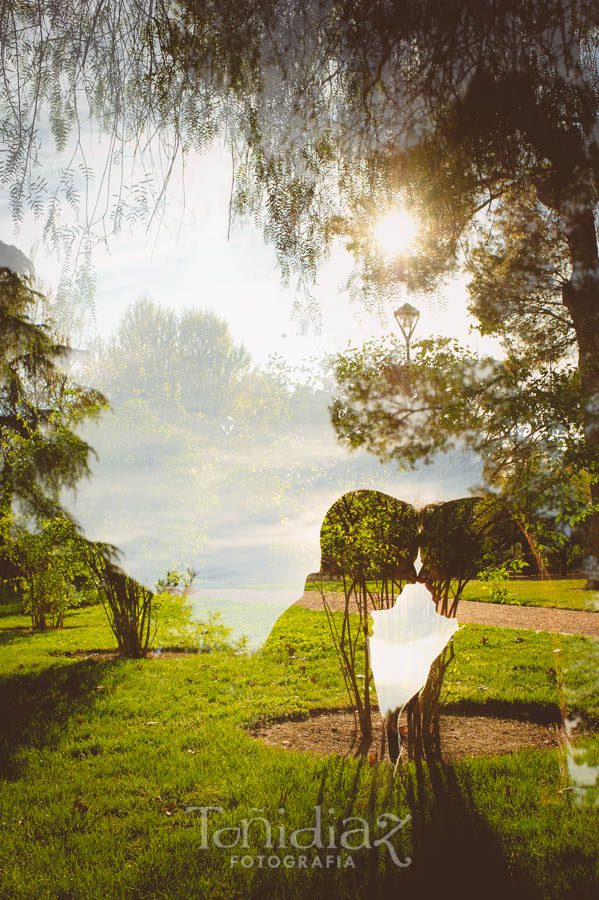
395, 231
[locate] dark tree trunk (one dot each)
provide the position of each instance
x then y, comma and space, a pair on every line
591, 550
392, 734
581, 297
38, 608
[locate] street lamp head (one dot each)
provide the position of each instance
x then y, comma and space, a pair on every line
407, 316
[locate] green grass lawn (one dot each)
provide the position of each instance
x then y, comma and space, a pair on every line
101, 757
566, 593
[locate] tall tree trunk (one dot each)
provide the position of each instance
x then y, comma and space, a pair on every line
581, 297
6, 565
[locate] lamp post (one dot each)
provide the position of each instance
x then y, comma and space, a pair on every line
407, 317
227, 427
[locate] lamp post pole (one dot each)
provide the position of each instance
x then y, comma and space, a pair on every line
227, 427
407, 317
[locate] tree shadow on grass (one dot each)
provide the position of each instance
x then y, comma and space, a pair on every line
453, 846
35, 707
453, 849
526, 711
13, 635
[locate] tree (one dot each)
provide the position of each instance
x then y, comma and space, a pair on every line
50, 561
214, 454
335, 111
188, 360
38, 404
127, 603
455, 109
365, 537
524, 421
371, 541
40, 454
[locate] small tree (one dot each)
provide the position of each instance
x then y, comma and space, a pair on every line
128, 605
456, 540
40, 453
49, 563
369, 540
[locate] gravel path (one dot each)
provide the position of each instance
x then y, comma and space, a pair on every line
562, 621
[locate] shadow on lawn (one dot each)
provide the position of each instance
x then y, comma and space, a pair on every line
525, 711
35, 707
453, 846
453, 850
12, 635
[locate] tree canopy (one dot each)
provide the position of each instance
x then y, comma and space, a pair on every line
41, 454
480, 117
331, 109
188, 359
39, 404
524, 421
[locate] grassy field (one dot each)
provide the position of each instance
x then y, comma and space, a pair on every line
102, 757
566, 593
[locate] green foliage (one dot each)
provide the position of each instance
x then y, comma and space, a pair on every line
498, 579
174, 623
367, 535
52, 562
392, 408
455, 538
39, 404
448, 397
517, 278
525, 422
370, 542
177, 362
375, 104
239, 448
175, 626
127, 604
41, 548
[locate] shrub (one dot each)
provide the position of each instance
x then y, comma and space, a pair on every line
128, 606
46, 597
498, 576
50, 562
174, 622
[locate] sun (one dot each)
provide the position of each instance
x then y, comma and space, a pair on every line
395, 232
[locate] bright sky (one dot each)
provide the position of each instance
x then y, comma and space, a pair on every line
150, 512
189, 261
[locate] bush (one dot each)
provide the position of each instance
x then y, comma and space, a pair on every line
50, 563
47, 596
174, 623
498, 576
128, 606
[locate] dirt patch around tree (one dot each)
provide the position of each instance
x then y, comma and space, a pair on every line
327, 732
